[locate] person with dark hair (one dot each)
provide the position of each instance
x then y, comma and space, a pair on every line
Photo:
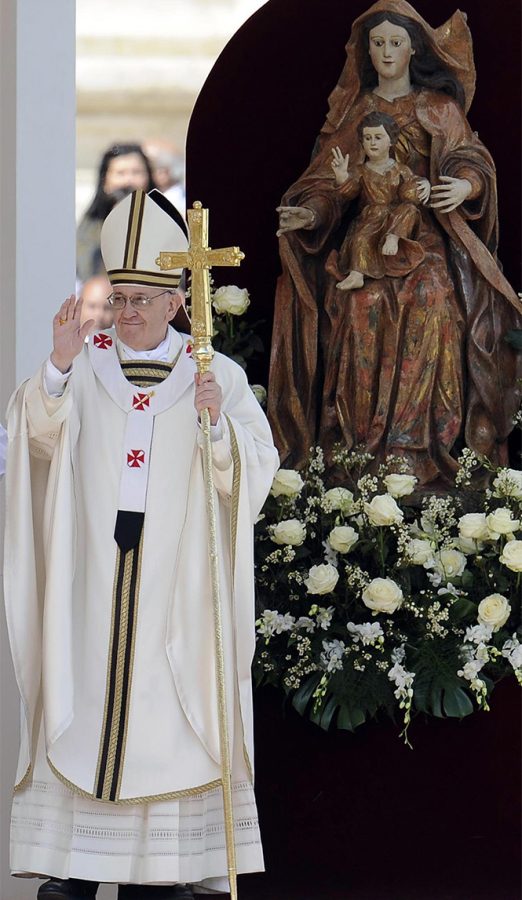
388, 202
413, 366
123, 168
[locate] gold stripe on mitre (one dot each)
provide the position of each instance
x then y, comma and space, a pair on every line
132, 242
141, 276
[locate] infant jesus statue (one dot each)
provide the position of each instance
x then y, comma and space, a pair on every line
378, 241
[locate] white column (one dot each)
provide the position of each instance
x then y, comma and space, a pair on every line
37, 255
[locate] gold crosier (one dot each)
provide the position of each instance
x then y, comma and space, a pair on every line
199, 259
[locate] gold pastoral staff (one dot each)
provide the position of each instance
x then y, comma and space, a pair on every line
199, 259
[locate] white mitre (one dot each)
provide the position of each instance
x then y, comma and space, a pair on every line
134, 233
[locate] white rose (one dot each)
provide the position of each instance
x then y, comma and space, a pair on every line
231, 299
290, 531
343, 538
468, 545
383, 510
508, 483
321, 579
400, 485
382, 595
287, 482
339, 498
419, 552
494, 610
259, 393
502, 522
511, 556
474, 526
450, 564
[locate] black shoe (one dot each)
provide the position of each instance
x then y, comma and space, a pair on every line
155, 892
70, 888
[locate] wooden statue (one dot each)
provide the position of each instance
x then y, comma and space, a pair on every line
414, 363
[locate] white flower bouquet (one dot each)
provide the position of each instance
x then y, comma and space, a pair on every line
372, 601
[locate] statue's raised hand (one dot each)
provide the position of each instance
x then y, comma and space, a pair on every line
340, 165
291, 218
450, 194
68, 335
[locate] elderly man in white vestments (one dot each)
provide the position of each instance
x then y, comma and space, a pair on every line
108, 590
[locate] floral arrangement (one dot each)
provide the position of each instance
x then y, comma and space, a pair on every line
369, 604
234, 338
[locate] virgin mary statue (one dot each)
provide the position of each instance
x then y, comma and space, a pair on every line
414, 366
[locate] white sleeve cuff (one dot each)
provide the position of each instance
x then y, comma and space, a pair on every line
220, 439
216, 431
54, 380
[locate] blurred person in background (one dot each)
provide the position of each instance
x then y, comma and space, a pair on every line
96, 306
168, 170
123, 168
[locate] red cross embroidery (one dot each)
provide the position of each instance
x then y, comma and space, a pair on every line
102, 341
140, 401
135, 459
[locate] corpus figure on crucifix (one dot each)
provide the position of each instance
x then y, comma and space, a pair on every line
123, 727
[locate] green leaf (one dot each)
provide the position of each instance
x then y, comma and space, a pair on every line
303, 694
327, 713
436, 702
463, 608
349, 718
467, 579
457, 703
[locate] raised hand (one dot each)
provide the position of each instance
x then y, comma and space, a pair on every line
68, 335
291, 218
340, 165
450, 194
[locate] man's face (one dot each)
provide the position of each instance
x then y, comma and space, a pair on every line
144, 328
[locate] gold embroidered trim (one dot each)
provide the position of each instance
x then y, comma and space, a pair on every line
138, 276
131, 666
143, 372
119, 672
146, 367
236, 480
115, 712
108, 677
128, 801
28, 777
134, 230
234, 513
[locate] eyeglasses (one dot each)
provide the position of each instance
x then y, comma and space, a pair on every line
137, 301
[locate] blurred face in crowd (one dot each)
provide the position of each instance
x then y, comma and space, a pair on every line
95, 304
126, 171
162, 177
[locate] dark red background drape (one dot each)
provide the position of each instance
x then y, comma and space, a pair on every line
360, 816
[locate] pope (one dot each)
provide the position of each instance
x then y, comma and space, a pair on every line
108, 589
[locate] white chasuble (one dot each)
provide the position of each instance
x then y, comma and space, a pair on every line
116, 649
